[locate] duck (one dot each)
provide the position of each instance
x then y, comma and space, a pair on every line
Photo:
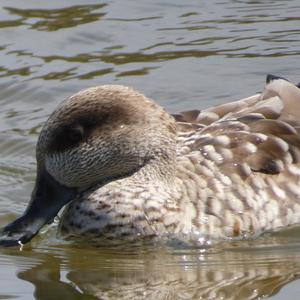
125, 169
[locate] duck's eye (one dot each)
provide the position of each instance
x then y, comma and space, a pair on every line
67, 137
75, 133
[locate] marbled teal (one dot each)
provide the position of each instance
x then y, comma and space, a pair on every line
126, 169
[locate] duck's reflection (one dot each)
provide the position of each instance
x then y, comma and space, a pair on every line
184, 274
48, 282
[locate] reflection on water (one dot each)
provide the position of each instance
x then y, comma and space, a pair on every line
184, 55
227, 271
55, 19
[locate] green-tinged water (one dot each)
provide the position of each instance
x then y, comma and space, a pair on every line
184, 54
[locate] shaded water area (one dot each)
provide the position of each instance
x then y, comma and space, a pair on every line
185, 55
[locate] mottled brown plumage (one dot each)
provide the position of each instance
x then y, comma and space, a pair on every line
224, 172
228, 171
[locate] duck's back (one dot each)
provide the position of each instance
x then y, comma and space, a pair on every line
239, 163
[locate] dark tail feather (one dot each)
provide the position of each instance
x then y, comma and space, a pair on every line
271, 77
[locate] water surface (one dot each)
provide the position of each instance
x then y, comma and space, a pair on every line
184, 55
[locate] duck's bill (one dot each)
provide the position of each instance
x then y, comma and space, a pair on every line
48, 197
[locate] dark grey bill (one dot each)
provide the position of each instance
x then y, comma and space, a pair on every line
48, 197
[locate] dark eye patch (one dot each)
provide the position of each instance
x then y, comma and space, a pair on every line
75, 133
67, 137
77, 127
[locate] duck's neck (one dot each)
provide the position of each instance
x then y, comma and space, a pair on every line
160, 170
131, 203
156, 172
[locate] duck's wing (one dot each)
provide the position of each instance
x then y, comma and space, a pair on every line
262, 132
239, 163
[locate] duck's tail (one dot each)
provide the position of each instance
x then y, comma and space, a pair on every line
287, 92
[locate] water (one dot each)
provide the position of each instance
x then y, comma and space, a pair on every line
185, 55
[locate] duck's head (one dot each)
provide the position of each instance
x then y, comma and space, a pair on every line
95, 136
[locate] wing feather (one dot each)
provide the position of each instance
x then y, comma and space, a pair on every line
262, 131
